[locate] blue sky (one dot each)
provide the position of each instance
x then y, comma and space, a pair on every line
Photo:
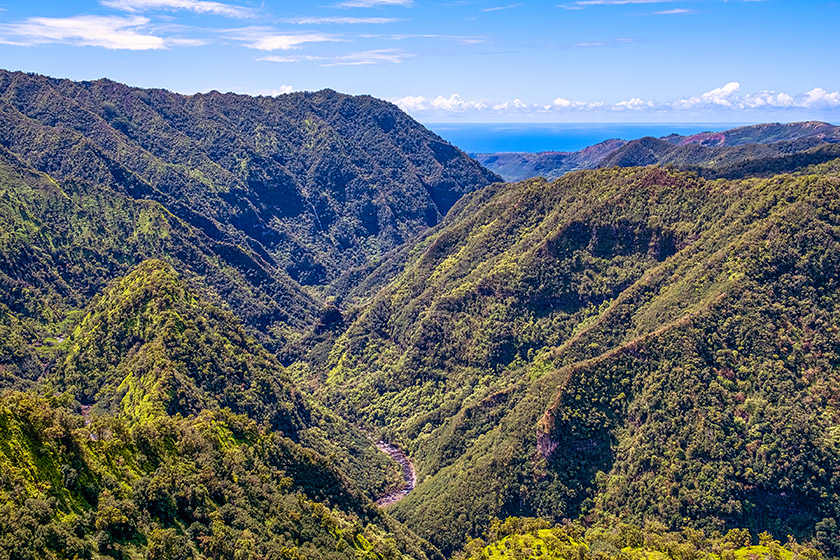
458, 60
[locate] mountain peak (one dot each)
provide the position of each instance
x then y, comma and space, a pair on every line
149, 345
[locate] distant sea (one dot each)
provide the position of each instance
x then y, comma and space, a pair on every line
557, 137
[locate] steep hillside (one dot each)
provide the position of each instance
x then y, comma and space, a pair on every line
150, 346
724, 161
632, 342
62, 241
651, 351
190, 442
551, 165
762, 134
311, 182
758, 150
214, 485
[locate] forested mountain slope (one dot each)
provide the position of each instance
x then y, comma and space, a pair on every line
256, 194
192, 442
145, 237
633, 342
515, 166
629, 347
214, 485
764, 149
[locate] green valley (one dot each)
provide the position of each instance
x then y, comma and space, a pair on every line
217, 311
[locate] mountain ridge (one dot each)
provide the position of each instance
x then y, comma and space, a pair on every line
211, 306
733, 153
269, 193
535, 329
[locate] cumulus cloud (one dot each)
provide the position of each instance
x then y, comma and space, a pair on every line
514, 105
197, 6
634, 104
110, 32
561, 103
728, 97
273, 92
452, 104
722, 96
820, 99
412, 103
725, 98
768, 99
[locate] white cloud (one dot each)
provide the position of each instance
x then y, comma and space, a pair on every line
282, 90
266, 39
373, 3
110, 32
412, 103
675, 11
500, 8
634, 104
463, 39
198, 6
819, 98
268, 92
722, 96
289, 58
516, 104
584, 3
561, 103
378, 56
767, 99
452, 104
340, 20
726, 98
455, 103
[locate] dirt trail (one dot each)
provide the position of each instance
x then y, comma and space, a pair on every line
409, 475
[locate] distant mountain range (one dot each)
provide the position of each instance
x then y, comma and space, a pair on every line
759, 149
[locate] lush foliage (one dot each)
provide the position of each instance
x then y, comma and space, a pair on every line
634, 342
309, 183
215, 485
150, 346
518, 538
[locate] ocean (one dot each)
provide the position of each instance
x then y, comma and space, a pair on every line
557, 137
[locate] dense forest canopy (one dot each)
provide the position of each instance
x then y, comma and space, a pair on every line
213, 307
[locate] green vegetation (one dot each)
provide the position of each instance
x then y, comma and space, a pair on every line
149, 346
308, 184
210, 304
517, 539
215, 485
197, 445
634, 342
